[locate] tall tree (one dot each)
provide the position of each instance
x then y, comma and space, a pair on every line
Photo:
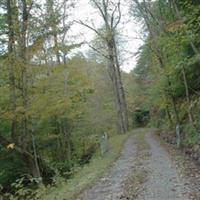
110, 13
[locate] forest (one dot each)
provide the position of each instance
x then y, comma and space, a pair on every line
57, 100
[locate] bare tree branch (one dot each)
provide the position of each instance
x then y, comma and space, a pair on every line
113, 15
98, 51
120, 14
103, 13
91, 28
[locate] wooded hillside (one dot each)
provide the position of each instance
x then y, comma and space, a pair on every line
166, 80
56, 102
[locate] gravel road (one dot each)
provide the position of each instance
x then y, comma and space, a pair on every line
163, 182
110, 186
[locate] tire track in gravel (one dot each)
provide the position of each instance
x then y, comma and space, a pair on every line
163, 181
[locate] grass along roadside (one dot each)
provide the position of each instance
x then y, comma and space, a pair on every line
88, 174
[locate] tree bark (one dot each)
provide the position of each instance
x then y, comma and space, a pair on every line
26, 139
169, 115
187, 94
53, 25
116, 92
11, 41
115, 75
121, 89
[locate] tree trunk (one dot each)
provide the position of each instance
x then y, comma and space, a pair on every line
36, 164
116, 87
121, 89
11, 69
56, 45
111, 24
187, 96
26, 139
169, 115
24, 78
53, 25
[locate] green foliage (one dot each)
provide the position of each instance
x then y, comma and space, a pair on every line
11, 168
192, 136
53, 105
171, 49
67, 118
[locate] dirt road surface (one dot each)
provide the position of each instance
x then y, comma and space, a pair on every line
162, 182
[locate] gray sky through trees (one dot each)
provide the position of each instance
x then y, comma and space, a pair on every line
129, 28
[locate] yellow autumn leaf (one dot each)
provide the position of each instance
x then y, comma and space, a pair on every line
11, 146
